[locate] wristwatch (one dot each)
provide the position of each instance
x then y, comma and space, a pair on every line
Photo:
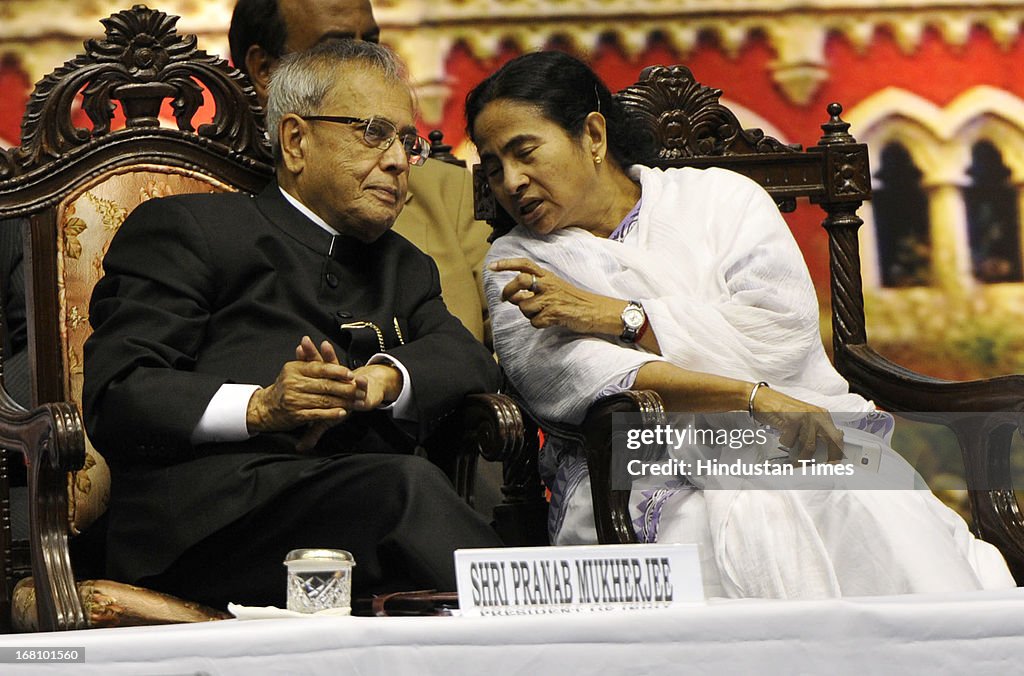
633, 320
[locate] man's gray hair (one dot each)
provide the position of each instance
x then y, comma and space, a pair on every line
301, 80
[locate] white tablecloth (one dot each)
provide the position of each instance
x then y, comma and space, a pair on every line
977, 633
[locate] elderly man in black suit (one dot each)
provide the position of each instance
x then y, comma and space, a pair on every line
438, 214
261, 369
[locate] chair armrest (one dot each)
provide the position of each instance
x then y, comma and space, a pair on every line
611, 507
495, 427
895, 388
490, 425
499, 429
52, 440
983, 414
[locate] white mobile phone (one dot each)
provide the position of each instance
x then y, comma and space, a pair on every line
861, 449
866, 456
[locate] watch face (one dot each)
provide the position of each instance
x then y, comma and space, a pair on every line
633, 317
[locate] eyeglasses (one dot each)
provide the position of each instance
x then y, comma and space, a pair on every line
379, 132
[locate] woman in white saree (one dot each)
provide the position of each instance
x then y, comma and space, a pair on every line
687, 282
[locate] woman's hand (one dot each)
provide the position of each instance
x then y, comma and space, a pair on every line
801, 424
548, 300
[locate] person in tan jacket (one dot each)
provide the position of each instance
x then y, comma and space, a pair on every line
438, 216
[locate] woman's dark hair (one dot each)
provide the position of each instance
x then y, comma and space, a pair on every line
566, 90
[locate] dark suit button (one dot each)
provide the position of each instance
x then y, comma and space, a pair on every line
332, 280
357, 363
343, 314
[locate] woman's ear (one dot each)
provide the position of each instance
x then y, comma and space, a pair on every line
595, 136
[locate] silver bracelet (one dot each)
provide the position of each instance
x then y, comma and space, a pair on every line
753, 393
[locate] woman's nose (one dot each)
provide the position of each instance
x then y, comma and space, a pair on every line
515, 181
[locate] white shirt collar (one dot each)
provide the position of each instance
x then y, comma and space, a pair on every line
306, 212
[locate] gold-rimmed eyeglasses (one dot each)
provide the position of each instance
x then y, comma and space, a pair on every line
379, 132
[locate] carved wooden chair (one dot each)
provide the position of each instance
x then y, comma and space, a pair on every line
73, 187
688, 127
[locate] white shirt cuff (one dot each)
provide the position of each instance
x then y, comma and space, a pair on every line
402, 407
224, 417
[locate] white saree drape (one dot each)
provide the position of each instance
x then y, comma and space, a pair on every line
727, 292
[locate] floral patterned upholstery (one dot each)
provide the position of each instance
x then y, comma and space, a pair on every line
87, 221
113, 604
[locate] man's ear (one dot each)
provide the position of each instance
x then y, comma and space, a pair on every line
259, 62
292, 137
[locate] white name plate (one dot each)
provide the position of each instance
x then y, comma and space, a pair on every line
567, 580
